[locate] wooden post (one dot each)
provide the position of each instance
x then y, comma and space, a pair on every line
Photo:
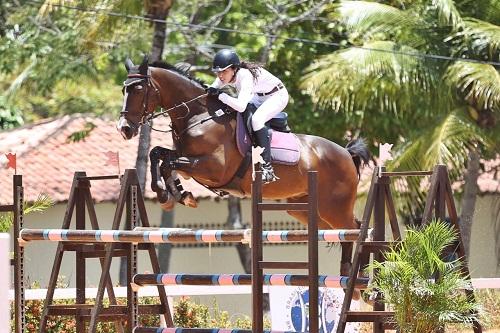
18, 211
379, 235
257, 293
312, 246
80, 261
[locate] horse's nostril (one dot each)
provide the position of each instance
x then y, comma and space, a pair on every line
127, 131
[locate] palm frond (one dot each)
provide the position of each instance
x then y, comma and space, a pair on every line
487, 10
479, 38
447, 13
20, 79
446, 143
106, 25
42, 203
478, 83
381, 75
363, 17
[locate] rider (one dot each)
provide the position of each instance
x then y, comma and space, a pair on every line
253, 85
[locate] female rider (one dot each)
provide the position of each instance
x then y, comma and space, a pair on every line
253, 85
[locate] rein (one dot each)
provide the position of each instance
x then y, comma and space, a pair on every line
148, 119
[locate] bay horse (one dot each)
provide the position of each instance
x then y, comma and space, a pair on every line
206, 150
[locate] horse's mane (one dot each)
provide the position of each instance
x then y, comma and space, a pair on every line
178, 70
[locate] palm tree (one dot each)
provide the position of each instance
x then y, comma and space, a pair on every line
434, 108
425, 291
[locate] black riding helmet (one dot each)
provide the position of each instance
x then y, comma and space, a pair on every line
225, 58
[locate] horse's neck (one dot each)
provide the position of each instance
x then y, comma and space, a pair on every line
179, 95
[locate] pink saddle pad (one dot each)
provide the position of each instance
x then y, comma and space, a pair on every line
284, 146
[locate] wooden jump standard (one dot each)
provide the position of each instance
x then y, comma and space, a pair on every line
131, 201
17, 209
439, 201
176, 236
258, 278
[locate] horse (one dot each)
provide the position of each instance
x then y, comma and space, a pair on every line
206, 150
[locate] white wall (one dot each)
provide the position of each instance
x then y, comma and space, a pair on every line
4, 281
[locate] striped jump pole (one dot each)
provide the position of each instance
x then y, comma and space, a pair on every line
181, 236
328, 281
196, 330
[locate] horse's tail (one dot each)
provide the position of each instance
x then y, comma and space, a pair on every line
359, 153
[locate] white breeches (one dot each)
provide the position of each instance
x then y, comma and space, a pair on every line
267, 107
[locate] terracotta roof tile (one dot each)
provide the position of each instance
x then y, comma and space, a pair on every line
48, 161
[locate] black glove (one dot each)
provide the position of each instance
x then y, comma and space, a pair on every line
212, 91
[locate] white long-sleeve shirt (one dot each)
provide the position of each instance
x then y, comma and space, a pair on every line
246, 87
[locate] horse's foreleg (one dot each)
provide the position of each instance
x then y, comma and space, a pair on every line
165, 183
156, 155
164, 196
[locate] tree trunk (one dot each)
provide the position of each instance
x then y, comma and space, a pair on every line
159, 36
2, 19
469, 199
141, 164
158, 10
164, 250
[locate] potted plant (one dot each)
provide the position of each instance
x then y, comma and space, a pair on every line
424, 290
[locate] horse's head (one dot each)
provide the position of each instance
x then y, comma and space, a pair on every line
140, 98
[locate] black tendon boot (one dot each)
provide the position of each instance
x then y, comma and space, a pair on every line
262, 140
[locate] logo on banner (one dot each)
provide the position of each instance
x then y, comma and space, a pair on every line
297, 309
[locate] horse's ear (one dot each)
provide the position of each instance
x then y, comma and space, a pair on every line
143, 68
128, 64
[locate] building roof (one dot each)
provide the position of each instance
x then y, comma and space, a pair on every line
47, 159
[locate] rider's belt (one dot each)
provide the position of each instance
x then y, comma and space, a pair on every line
275, 89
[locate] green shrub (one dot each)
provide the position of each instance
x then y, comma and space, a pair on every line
187, 314
425, 291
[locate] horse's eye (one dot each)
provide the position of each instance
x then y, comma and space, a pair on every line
138, 87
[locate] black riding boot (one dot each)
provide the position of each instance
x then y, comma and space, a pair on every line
262, 139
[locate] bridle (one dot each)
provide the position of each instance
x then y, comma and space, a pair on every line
146, 118
140, 78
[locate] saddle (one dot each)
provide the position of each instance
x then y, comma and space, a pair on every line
284, 144
284, 147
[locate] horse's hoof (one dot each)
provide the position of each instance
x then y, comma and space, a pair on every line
188, 200
167, 202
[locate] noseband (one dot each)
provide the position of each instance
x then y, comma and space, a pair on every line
145, 117
139, 78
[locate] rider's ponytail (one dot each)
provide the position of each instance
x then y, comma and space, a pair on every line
253, 67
